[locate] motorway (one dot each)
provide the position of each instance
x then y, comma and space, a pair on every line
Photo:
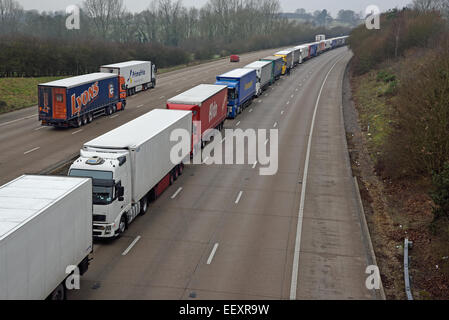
225, 232
29, 148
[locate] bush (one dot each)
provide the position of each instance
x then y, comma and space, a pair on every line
418, 143
440, 195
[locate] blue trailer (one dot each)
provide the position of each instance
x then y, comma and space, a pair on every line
278, 62
75, 101
241, 89
334, 43
313, 47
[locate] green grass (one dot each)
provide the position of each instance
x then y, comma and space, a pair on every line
19, 93
373, 101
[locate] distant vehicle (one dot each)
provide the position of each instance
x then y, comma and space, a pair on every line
45, 228
235, 58
241, 85
208, 104
76, 101
320, 37
130, 166
278, 63
138, 75
287, 55
265, 75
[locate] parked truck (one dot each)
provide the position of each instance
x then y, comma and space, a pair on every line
277, 63
313, 49
138, 75
130, 166
241, 85
320, 37
208, 104
296, 55
265, 76
76, 101
45, 234
303, 53
287, 55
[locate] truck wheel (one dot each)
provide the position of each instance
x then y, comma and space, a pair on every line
85, 121
108, 111
59, 293
143, 206
122, 226
90, 117
114, 108
172, 180
175, 174
180, 169
78, 122
154, 83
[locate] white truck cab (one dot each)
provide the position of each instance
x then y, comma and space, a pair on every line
111, 190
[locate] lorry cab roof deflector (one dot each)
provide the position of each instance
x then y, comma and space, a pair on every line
236, 73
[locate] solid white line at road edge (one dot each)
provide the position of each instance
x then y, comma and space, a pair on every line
131, 246
212, 254
295, 271
13, 121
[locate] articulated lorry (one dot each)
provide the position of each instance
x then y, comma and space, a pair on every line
208, 104
304, 53
296, 55
138, 75
130, 166
265, 75
45, 234
287, 55
76, 101
241, 85
277, 63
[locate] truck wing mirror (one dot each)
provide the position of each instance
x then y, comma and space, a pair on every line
120, 192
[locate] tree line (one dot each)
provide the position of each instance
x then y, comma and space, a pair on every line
38, 43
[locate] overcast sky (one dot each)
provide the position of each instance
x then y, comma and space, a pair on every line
287, 5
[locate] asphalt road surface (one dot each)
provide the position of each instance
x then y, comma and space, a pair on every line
224, 231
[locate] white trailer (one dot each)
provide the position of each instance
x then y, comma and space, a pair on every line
264, 74
130, 166
296, 55
320, 37
139, 75
45, 228
304, 52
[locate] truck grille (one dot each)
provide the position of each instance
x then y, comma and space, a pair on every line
99, 218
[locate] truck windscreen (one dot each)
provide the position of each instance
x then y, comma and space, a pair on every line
232, 94
103, 190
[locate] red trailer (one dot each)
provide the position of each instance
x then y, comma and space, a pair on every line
208, 103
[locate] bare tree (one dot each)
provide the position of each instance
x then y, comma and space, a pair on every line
103, 13
10, 11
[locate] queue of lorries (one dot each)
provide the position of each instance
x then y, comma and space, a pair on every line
47, 223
